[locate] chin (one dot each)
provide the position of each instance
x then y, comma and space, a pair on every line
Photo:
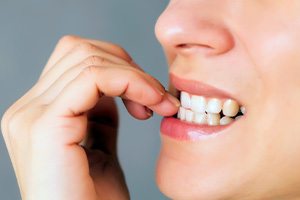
191, 179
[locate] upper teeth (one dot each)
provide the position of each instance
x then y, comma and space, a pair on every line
201, 110
230, 108
214, 106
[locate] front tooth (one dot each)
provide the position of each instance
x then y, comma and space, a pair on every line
225, 120
198, 104
181, 113
185, 100
214, 106
230, 108
189, 115
213, 119
200, 118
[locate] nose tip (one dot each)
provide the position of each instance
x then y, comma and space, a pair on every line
182, 32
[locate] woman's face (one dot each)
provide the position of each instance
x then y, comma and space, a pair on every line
248, 51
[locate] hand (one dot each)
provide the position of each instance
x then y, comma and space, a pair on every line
70, 105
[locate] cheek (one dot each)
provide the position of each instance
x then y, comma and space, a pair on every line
277, 60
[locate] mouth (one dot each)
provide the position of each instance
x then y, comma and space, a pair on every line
205, 111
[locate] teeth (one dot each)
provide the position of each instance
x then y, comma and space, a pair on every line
199, 110
198, 104
181, 113
230, 108
214, 106
200, 118
226, 120
189, 115
213, 119
185, 100
243, 110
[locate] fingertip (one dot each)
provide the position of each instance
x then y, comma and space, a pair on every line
173, 100
168, 106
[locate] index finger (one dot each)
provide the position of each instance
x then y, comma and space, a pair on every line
83, 93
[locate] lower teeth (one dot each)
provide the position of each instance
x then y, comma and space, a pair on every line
210, 119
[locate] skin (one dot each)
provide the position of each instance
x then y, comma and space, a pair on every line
248, 48
251, 50
70, 103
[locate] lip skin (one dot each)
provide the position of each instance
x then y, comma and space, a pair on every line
185, 131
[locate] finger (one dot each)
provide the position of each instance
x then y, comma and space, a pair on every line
50, 93
67, 43
112, 48
84, 52
83, 93
113, 51
136, 110
107, 50
165, 108
64, 65
65, 47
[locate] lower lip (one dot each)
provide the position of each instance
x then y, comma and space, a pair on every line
185, 131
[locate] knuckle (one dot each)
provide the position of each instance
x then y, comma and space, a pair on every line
12, 125
142, 95
68, 40
90, 72
132, 75
15, 125
95, 60
118, 48
6, 119
4, 122
121, 51
86, 48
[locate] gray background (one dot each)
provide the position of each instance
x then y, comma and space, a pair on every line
28, 33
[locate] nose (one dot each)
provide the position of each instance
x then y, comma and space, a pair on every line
184, 27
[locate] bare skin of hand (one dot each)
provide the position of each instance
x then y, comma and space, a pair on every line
72, 104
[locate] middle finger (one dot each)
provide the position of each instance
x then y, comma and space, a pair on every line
84, 52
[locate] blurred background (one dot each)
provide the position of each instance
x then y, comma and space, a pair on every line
29, 31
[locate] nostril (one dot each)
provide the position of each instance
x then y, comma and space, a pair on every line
188, 46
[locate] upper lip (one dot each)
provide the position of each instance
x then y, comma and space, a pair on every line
198, 88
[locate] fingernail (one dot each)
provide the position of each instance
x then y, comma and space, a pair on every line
173, 100
149, 112
161, 91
